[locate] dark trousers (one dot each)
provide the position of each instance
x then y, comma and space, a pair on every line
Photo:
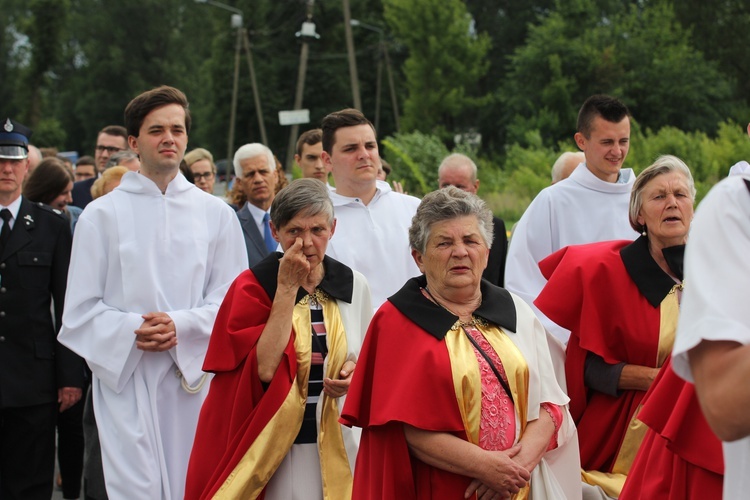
93, 474
27, 452
70, 448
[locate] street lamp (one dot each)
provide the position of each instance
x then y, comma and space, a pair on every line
382, 53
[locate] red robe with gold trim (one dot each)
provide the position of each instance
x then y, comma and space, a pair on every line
419, 394
590, 292
404, 376
220, 442
238, 408
680, 457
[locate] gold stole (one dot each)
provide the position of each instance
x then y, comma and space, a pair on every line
257, 466
334, 462
468, 384
612, 482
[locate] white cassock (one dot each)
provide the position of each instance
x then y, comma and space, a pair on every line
374, 239
714, 306
580, 209
137, 251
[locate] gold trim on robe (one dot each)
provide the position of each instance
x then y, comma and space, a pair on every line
264, 456
334, 462
467, 381
613, 482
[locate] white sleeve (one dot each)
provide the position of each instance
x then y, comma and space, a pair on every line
532, 241
717, 268
99, 333
227, 259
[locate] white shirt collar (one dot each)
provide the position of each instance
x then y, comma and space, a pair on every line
381, 188
257, 215
14, 207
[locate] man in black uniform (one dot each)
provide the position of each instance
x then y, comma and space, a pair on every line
38, 376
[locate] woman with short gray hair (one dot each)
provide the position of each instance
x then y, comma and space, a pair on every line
621, 301
455, 390
663, 165
444, 204
283, 350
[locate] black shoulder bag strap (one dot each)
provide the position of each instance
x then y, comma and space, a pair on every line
492, 365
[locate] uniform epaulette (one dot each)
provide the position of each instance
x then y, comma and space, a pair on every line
48, 208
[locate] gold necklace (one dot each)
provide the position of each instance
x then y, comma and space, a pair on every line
473, 321
318, 296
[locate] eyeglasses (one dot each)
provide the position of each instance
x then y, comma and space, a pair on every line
108, 149
204, 175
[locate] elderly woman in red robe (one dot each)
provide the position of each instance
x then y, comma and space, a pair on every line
283, 350
455, 389
620, 300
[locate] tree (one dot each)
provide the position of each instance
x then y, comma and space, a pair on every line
719, 30
506, 22
639, 53
445, 62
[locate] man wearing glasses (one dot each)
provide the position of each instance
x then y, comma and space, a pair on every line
110, 140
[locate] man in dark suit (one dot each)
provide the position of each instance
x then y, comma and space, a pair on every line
110, 140
257, 176
460, 171
38, 376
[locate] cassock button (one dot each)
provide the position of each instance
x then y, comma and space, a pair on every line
3, 290
35, 259
2, 314
2, 339
2, 266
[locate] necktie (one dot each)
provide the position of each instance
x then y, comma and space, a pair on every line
270, 242
5, 231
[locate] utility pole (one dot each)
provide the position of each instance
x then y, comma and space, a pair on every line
307, 32
235, 88
256, 94
394, 99
353, 76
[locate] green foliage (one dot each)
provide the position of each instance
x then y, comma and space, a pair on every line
638, 52
414, 159
49, 132
446, 60
719, 30
526, 169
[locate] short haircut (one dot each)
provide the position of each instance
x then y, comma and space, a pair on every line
49, 152
308, 197
339, 119
251, 151
47, 181
86, 160
663, 165
558, 167
137, 110
609, 108
119, 157
445, 204
117, 130
457, 159
311, 138
198, 154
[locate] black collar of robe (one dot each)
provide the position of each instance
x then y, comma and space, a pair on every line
650, 279
338, 280
497, 308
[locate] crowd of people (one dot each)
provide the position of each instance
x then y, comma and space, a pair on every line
333, 337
